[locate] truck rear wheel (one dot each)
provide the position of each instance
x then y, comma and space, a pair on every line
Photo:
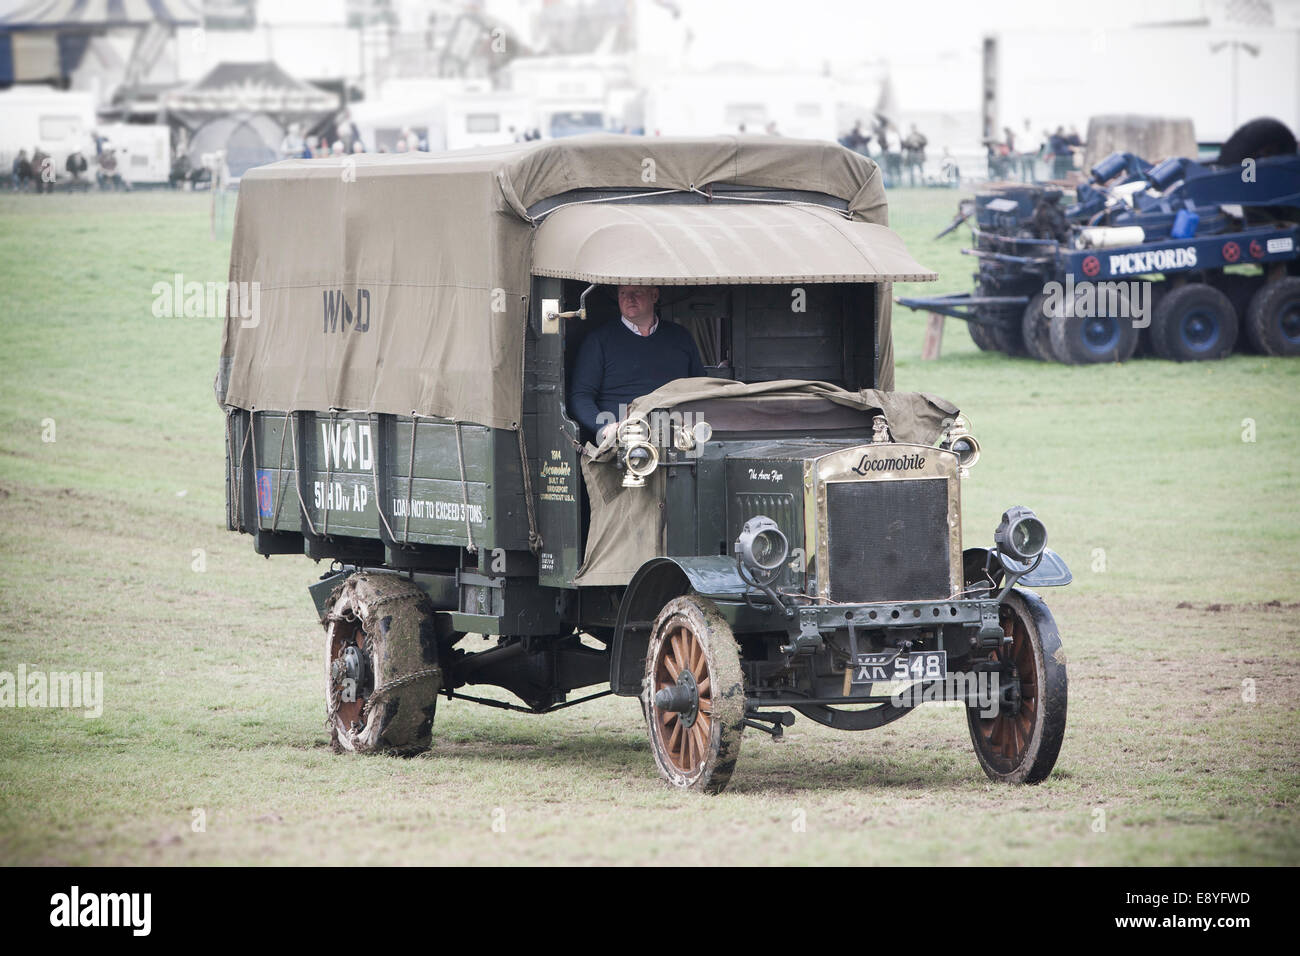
381, 665
694, 695
1273, 318
1195, 322
1020, 742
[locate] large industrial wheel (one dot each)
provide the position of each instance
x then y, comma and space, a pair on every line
1083, 339
982, 336
1273, 318
1036, 329
1195, 322
1020, 743
1005, 336
694, 695
381, 665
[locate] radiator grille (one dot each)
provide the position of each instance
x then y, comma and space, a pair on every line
888, 540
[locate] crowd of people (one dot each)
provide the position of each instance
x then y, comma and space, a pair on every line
902, 158
1055, 150
896, 154
37, 172
343, 139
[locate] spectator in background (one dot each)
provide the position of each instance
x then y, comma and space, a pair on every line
338, 148
348, 133
1028, 154
180, 171
857, 140
1012, 161
949, 169
770, 129
22, 170
76, 165
893, 147
43, 172
1058, 151
996, 156
107, 174
292, 145
914, 156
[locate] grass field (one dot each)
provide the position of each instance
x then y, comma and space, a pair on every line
1182, 627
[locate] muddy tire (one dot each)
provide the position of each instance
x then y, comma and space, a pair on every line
1194, 323
1036, 330
381, 666
1273, 318
692, 652
1022, 747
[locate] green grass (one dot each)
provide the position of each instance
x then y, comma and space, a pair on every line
1183, 539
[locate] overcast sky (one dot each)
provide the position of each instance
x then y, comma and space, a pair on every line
790, 32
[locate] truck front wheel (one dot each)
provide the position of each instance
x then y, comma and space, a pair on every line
1018, 738
694, 695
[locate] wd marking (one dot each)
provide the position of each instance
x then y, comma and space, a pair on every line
338, 314
347, 445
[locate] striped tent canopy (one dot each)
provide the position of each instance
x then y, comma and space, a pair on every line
97, 14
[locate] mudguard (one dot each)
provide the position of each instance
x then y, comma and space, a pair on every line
1052, 571
656, 583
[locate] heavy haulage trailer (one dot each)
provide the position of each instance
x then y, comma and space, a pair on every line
1179, 259
781, 536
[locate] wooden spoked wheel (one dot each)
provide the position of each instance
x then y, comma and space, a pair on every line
694, 695
1020, 742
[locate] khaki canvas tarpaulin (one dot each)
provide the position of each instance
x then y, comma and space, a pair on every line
719, 243
397, 283
627, 523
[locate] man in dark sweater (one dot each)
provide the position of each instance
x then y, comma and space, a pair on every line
621, 361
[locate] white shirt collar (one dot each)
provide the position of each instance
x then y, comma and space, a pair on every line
632, 325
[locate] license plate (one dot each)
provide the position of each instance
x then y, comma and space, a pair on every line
893, 666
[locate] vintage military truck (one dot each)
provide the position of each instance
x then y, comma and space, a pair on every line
783, 535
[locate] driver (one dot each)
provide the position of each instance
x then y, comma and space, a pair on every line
621, 361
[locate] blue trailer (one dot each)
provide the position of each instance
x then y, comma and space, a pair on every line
1184, 260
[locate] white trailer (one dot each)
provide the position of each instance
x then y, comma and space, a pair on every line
58, 122
144, 155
